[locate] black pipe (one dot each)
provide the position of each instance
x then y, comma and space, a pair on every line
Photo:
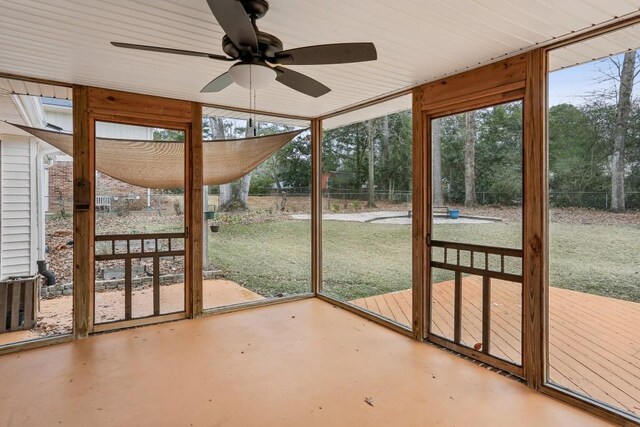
42, 269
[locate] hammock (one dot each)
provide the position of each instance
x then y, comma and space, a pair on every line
160, 164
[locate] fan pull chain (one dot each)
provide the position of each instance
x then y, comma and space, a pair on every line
252, 116
255, 129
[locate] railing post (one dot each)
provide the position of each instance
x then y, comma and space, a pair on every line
457, 309
486, 314
156, 285
127, 288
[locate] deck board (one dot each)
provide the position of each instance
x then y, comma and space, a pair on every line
594, 341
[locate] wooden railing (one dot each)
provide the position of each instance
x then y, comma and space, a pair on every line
474, 255
129, 250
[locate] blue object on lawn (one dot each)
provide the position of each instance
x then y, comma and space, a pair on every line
454, 213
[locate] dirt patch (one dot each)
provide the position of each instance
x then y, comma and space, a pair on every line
59, 240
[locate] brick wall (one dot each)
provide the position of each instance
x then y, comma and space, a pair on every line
61, 188
107, 186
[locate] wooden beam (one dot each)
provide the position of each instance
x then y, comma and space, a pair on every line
83, 213
421, 224
134, 105
497, 78
194, 214
535, 236
316, 206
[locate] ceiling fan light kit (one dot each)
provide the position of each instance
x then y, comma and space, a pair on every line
260, 55
252, 76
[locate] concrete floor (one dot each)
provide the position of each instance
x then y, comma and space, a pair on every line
301, 363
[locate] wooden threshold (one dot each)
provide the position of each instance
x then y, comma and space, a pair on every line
253, 304
478, 355
35, 343
369, 315
143, 321
602, 410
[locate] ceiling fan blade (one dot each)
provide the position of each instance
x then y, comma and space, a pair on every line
235, 22
170, 50
300, 82
338, 53
217, 84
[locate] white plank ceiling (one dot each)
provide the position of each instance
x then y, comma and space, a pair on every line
417, 41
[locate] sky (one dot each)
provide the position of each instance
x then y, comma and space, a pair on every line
571, 85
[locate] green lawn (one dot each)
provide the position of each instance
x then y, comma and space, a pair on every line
270, 258
362, 259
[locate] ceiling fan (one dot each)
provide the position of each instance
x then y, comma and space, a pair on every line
259, 55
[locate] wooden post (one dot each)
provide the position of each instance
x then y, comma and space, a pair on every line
535, 233
128, 288
457, 308
156, 284
486, 314
83, 212
316, 206
421, 211
194, 214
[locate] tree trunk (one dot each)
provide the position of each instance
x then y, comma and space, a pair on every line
217, 132
274, 173
623, 108
436, 153
470, 159
235, 195
370, 184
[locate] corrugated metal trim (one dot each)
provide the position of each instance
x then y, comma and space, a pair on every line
593, 49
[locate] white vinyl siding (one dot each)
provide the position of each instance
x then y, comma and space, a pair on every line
17, 207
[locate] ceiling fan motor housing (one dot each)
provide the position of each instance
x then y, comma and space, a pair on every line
268, 45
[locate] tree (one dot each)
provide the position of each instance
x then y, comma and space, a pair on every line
436, 154
235, 195
470, 158
371, 154
579, 148
623, 110
393, 170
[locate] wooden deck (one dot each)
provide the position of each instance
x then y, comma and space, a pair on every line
594, 341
